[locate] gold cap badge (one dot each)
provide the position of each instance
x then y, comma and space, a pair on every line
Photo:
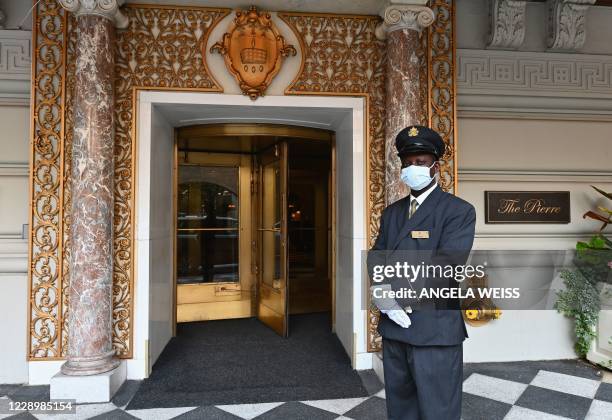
413, 132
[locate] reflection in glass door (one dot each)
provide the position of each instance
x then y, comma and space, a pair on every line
207, 225
213, 236
309, 231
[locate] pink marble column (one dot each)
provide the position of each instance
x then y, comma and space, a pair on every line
405, 104
90, 348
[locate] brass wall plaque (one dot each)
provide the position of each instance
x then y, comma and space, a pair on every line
253, 50
527, 207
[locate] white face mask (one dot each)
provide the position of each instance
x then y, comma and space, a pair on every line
417, 177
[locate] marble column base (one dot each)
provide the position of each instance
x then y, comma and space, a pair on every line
91, 388
82, 366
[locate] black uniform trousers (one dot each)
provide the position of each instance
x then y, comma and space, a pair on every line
422, 382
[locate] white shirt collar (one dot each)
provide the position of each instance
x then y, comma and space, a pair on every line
424, 194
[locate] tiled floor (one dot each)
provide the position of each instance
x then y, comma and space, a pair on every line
549, 390
535, 390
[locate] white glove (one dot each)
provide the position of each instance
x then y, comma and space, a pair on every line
390, 307
399, 316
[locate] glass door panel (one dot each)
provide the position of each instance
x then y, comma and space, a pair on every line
213, 236
308, 233
273, 287
207, 224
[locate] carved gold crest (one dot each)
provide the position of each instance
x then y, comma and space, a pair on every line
253, 50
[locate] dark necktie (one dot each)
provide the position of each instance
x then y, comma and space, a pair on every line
413, 207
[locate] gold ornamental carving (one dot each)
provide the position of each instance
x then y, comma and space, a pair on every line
253, 50
46, 200
442, 87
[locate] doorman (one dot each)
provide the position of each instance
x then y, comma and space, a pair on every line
422, 340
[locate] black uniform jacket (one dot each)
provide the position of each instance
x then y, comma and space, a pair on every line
449, 224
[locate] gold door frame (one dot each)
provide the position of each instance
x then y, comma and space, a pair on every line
257, 129
272, 297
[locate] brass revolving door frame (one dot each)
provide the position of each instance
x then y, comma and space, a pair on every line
239, 144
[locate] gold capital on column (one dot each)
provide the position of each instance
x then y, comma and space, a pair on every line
108, 9
404, 14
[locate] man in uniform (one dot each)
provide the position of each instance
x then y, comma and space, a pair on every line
422, 346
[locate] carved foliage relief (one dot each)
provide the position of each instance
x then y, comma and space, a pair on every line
47, 96
442, 91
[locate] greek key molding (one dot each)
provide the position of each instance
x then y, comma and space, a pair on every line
15, 54
555, 74
553, 82
567, 24
506, 24
15, 64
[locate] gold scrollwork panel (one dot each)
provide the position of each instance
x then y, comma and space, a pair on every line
442, 89
46, 204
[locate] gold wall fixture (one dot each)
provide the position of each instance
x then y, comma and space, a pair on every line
479, 311
253, 50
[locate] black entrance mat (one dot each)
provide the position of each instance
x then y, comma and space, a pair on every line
242, 361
